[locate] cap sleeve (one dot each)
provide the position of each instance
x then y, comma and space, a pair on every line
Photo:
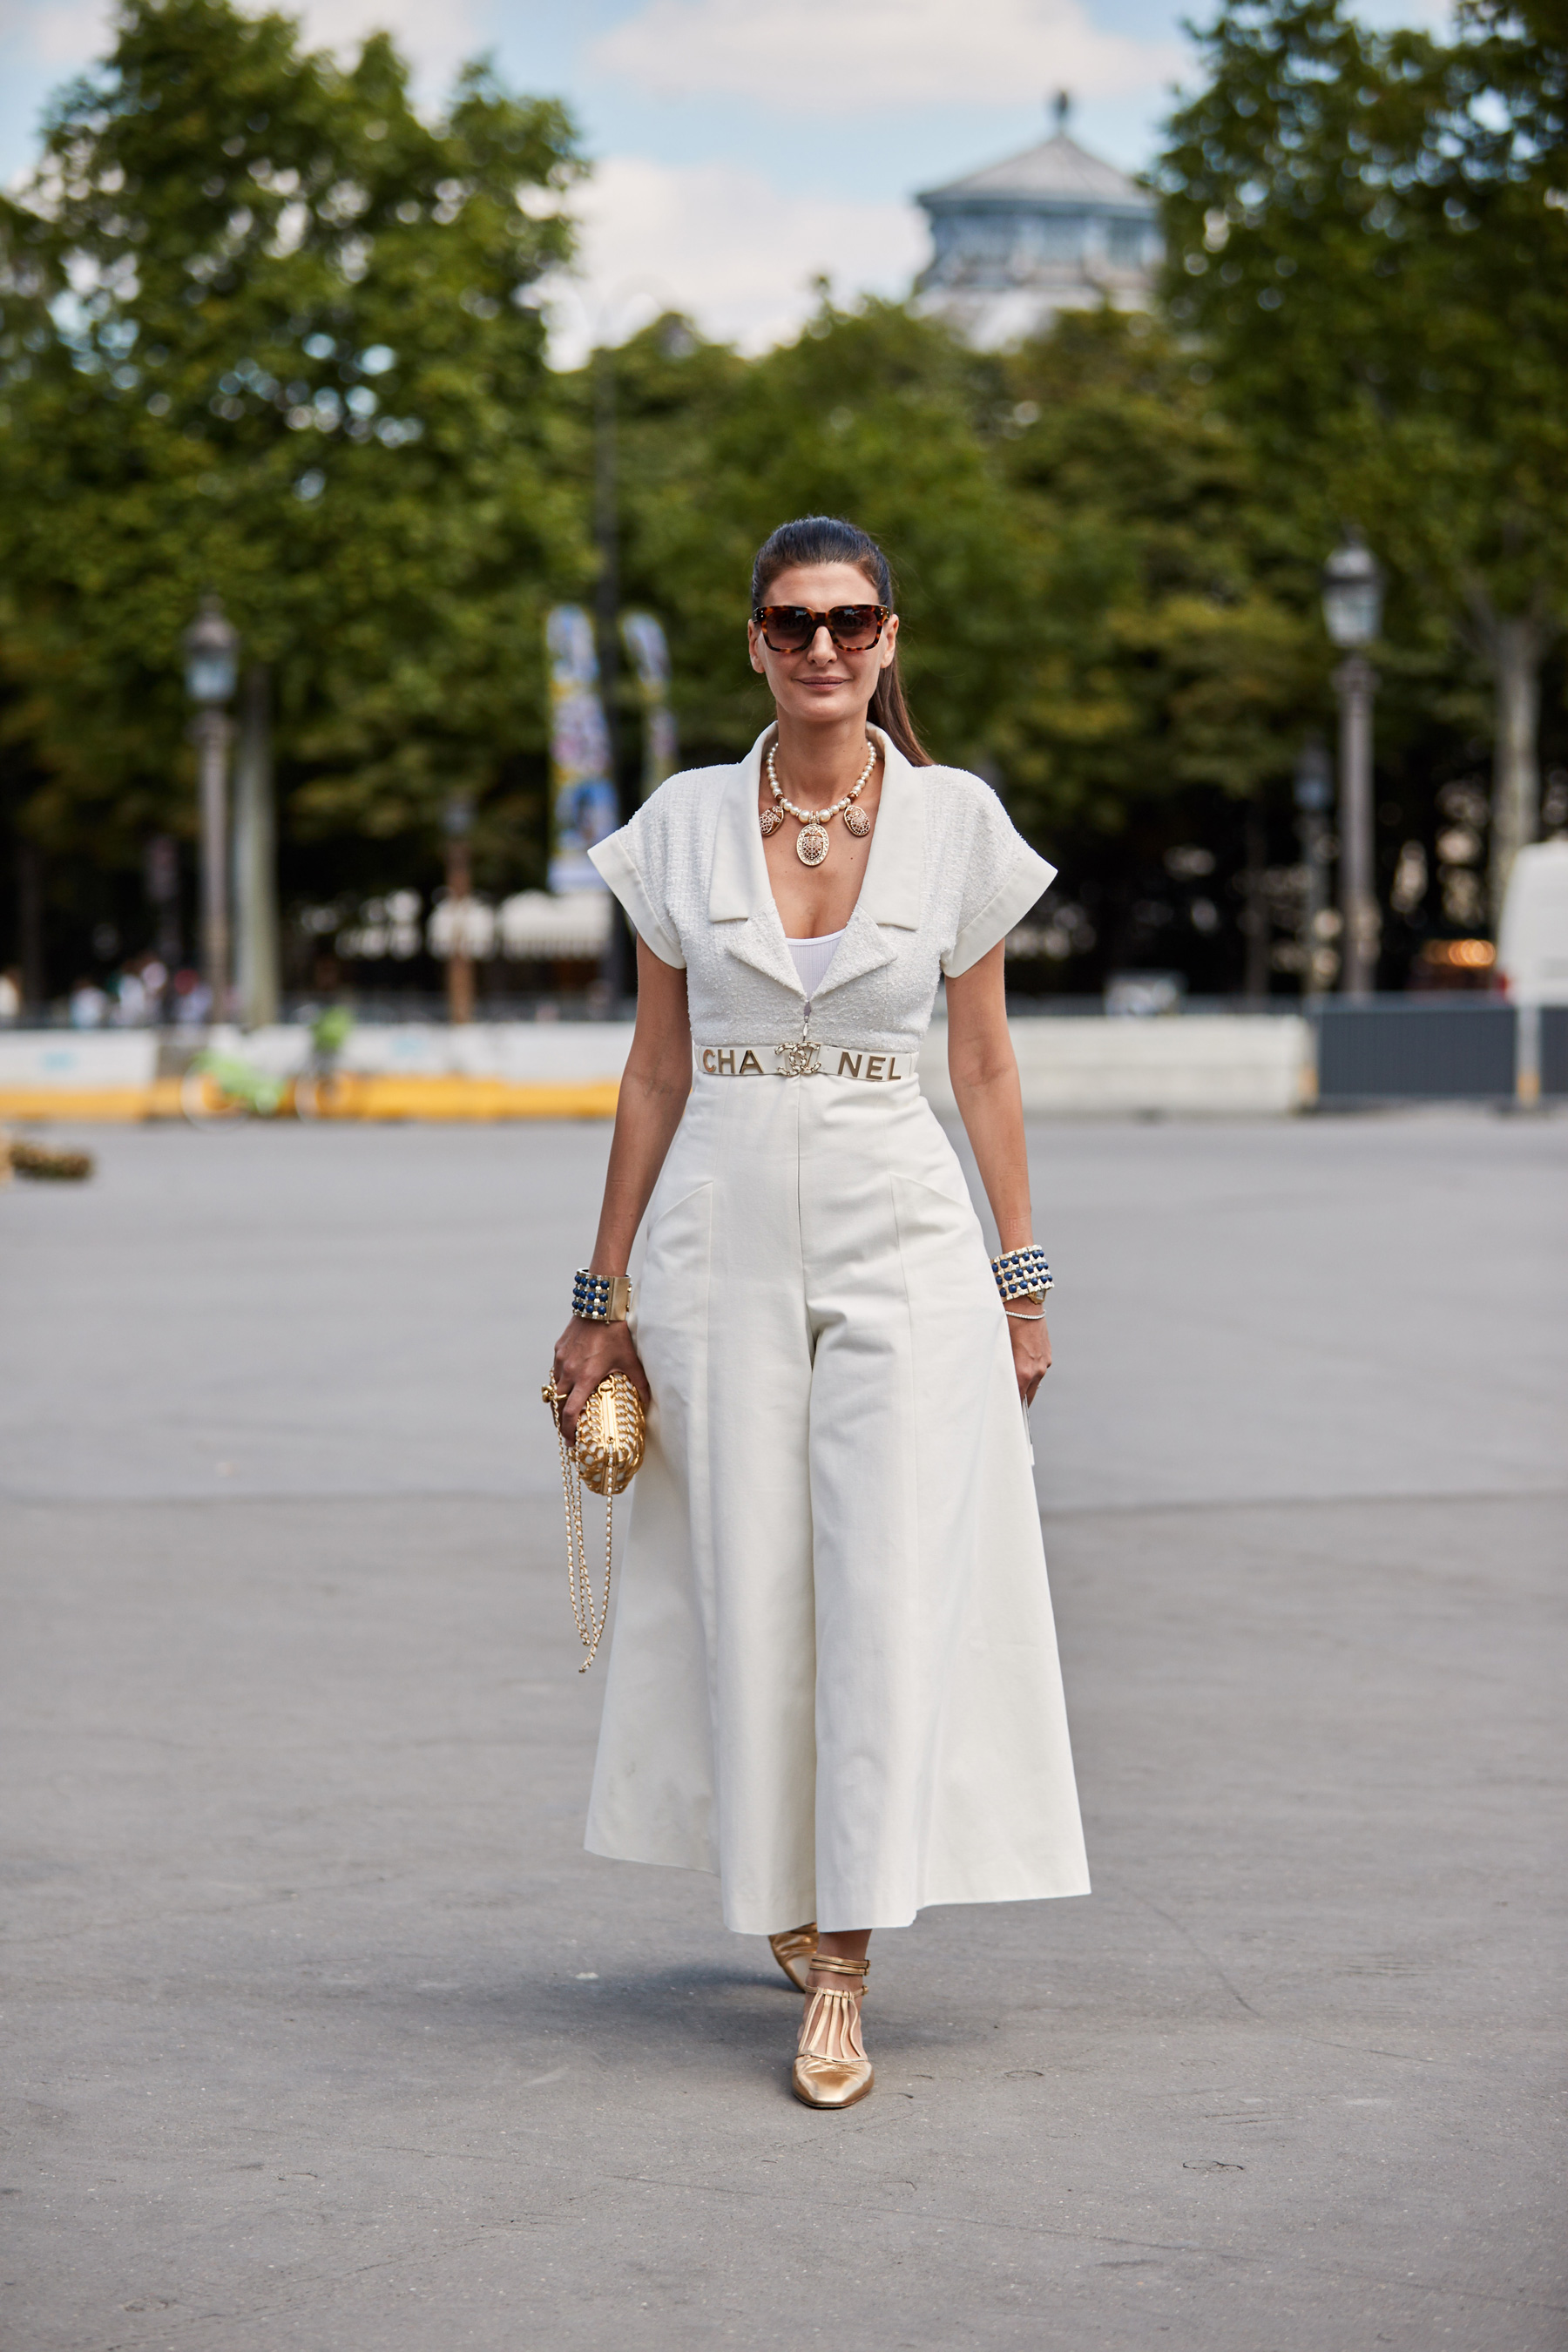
634, 863
1004, 879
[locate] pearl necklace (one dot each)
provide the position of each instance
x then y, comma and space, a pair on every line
810, 842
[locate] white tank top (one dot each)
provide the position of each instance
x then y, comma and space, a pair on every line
812, 958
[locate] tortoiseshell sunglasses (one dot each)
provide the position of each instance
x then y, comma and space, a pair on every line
791, 628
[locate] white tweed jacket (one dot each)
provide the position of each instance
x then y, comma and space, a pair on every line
947, 877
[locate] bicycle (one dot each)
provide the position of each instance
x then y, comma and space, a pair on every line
221, 1088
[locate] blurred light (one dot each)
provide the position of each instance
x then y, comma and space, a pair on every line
212, 653
1460, 955
1353, 594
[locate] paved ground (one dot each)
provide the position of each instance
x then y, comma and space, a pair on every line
325, 2033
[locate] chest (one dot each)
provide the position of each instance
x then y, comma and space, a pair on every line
812, 899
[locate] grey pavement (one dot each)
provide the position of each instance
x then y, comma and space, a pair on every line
323, 2032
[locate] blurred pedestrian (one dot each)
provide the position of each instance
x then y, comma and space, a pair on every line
191, 999
130, 995
88, 1005
834, 1677
10, 995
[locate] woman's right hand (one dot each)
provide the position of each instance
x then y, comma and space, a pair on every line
587, 1353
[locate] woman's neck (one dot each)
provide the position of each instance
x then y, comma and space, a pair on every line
818, 764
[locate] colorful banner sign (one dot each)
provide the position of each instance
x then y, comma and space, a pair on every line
584, 804
644, 640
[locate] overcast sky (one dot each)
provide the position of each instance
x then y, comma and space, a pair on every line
741, 147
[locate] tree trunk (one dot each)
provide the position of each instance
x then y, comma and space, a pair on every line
1514, 649
255, 856
30, 926
1517, 647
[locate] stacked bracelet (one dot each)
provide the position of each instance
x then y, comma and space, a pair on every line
1022, 1274
601, 1297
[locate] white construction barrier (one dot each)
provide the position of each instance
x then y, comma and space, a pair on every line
1193, 1064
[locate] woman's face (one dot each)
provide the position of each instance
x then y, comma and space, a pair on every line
822, 684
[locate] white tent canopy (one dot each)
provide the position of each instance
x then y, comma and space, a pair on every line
530, 927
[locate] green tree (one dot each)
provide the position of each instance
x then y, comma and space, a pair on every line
1368, 231
263, 328
1102, 607
1169, 636
869, 413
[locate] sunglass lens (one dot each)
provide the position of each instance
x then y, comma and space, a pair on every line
787, 627
855, 626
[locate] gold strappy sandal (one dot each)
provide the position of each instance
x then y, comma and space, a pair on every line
831, 2068
793, 1950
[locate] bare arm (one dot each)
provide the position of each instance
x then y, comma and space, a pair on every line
653, 1088
985, 1073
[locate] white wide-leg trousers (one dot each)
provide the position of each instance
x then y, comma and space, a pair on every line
834, 1675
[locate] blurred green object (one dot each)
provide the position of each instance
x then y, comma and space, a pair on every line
219, 1088
331, 1029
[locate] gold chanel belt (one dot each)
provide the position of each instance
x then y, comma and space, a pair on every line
805, 1057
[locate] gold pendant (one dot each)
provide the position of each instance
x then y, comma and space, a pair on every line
770, 820
811, 846
857, 822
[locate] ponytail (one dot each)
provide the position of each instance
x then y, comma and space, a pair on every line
824, 539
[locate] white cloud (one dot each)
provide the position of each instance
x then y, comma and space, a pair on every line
436, 41
832, 57
60, 33
65, 36
723, 246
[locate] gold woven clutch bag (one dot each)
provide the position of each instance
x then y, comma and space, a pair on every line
607, 1457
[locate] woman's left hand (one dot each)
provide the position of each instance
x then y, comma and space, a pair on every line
1031, 1348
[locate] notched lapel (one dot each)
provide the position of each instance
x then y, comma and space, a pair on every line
740, 897
863, 948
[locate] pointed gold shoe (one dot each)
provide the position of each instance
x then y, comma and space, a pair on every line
831, 2068
793, 1950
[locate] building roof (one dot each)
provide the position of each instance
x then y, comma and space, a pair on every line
1059, 171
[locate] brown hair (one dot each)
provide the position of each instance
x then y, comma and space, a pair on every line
824, 539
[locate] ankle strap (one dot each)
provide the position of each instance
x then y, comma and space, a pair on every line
838, 1967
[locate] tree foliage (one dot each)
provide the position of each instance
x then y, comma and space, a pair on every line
266, 330
264, 327
1369, 232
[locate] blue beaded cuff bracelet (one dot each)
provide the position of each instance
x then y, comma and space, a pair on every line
1022, 1274
600, 1297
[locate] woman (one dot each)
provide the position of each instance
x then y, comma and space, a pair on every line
834, 1676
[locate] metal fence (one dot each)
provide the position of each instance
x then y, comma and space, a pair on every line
1405, 1049
1408, 1051
1555, 1050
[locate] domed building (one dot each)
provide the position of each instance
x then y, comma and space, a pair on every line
1052, 229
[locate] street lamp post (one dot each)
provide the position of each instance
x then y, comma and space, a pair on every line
1314, 791
211, 650
457, 823
1353, 608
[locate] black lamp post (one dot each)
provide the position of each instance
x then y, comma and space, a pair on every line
1352, 609
212, 654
